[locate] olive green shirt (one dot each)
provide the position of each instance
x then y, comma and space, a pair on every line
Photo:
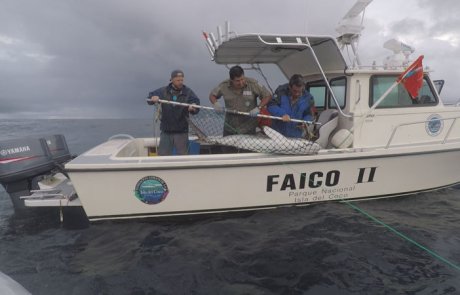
243, 100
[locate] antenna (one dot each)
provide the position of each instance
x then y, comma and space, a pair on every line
399, 47
401, 53
356, 10
350, 27
212, 43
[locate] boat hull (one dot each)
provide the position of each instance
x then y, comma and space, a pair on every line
209, 184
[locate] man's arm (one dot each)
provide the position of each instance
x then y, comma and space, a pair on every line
264, 95
154, 96
264, 101
214, 96
193, 99
275, 109
308, 114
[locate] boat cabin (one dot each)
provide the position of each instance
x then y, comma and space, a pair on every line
351, 91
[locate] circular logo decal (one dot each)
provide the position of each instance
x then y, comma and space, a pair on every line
434, 125
151, 190
3, 153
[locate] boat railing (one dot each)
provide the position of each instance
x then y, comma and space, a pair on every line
444, 140
304, 41
121, 136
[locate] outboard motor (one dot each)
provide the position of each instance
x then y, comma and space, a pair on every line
23, 161
58, 148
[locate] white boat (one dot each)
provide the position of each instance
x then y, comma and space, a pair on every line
8, 286
370, 148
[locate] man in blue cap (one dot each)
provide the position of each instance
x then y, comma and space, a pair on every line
174, 123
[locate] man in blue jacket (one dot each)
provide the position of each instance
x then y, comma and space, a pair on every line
291, 101
174, 124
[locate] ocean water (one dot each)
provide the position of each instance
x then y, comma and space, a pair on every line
333, 248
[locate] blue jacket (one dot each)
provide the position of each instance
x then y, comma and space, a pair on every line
281, 105
174, 118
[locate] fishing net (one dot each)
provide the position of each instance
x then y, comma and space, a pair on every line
245, 133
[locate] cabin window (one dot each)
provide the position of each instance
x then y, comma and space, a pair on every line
320, 93
399, 97
318, 90
339, 87
438, 84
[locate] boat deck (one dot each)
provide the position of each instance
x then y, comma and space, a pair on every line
133, 154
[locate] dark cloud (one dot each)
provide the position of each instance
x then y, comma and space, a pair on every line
81, 58
86, 58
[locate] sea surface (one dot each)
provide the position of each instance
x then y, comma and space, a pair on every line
404, 245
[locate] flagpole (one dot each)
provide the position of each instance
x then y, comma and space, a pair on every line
382, 97
399, 80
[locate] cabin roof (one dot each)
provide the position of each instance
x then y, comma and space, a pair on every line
290, 52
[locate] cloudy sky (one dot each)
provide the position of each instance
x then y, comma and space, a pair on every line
100, 58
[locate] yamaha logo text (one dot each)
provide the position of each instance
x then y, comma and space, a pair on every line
15, 150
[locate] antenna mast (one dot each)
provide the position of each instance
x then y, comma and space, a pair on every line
350, 28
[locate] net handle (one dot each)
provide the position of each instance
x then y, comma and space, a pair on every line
183, 104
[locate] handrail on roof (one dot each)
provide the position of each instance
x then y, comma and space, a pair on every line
308, 45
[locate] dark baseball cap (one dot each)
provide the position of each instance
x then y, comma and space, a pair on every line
177, 73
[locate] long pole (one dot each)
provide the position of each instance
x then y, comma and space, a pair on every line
382, 97
230, 111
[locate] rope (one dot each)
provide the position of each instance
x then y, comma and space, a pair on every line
403, 236
398, 233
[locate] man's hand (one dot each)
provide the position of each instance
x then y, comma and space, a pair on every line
153, 99
254, 112
192, 109
217, 107
286, 118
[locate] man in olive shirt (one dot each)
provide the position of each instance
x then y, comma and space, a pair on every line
240, 94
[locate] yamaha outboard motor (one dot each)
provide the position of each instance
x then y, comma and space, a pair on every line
58, 148
23, 161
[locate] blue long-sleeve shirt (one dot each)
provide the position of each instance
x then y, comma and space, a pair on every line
299, 110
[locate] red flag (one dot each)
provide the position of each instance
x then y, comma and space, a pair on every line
412, 78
